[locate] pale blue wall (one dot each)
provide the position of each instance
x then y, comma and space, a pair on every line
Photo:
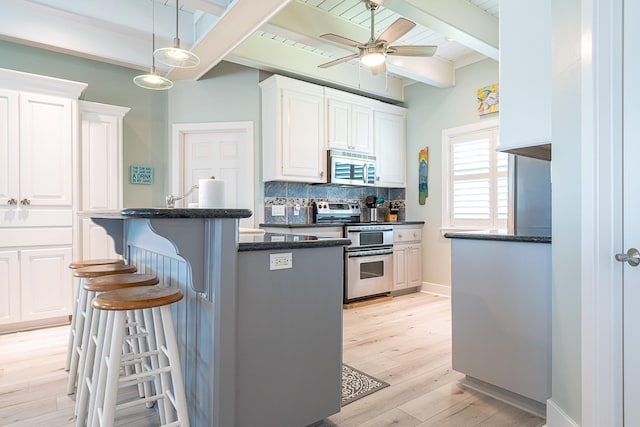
431, 110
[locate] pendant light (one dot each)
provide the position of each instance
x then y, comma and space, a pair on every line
152, 80
176, 56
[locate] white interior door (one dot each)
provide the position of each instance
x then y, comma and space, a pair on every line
631, 212
223, 150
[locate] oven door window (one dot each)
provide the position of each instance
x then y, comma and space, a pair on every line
371, 270
371, 238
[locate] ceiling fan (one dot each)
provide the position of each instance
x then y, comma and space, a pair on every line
373, 53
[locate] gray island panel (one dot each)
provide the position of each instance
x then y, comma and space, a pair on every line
255, 343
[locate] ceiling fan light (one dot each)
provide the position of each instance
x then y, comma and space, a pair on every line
373, 59
152, 81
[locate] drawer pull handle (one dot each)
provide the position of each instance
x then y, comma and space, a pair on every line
25, 202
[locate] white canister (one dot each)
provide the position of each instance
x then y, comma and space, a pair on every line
211, 193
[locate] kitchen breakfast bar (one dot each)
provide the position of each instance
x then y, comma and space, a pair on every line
260, 326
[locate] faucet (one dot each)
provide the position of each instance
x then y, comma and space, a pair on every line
171, 199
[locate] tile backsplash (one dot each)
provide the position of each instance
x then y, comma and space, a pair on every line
292, 194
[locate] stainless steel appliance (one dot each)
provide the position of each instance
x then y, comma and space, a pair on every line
368, 264
368, 261
340, 213
351, 168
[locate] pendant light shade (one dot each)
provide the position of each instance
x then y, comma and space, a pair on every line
176, 56
152, 80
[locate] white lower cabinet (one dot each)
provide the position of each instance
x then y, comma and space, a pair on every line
35, 284
407, 257
9, 287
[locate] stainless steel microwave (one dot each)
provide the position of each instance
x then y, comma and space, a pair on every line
351, 168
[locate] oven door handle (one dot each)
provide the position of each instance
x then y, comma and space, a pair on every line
369, 253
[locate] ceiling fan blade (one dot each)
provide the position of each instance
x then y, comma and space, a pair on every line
396, 30
412, 50
378, 69
338, 61
342, 40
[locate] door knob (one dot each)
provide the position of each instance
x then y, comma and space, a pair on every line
632, 257
12, 202
25, 202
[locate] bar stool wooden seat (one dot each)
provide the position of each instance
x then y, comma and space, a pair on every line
80, 320
93, 344
76, 295
91, 262
154, 301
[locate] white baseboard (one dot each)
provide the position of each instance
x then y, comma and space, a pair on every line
436, 288
556, 417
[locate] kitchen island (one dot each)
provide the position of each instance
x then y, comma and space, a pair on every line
501, 315
260, 327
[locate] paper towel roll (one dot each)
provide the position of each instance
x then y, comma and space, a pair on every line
211, 193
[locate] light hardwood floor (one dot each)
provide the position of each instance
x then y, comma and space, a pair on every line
405, 342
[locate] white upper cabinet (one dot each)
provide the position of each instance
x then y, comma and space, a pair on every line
293, 131
525, 78
349, 121
390, 145
295, 116
9, 188
45, 150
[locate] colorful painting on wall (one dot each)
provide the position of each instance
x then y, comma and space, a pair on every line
423, 168
488, 99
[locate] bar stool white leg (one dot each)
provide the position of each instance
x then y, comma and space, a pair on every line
79, 323
88, 314
153, 345
72, 327
100, 372
106, 411
179, 398
85, 381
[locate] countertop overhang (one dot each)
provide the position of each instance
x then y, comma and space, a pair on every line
483, 235
340, 224
169, 213
261, 242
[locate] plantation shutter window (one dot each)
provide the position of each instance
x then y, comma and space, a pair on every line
476, 181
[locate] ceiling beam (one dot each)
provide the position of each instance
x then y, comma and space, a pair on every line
234, 26
458, 19
304, 24
271, 55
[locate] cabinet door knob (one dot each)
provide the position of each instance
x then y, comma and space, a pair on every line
321, 174
12, 202
25, 202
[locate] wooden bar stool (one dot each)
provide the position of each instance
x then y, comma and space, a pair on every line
156, 302
81, 321
74, 265
94, 342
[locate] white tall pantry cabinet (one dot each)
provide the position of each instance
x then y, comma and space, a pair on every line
37, 150
100, 157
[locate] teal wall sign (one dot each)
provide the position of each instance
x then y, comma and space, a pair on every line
141, 174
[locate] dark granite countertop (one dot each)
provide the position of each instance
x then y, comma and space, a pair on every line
502, 237
266, 241
340, 224
171, 213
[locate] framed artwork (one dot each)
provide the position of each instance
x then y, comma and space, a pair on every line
488, 99
423, 171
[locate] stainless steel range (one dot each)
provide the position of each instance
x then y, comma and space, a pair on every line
369, 259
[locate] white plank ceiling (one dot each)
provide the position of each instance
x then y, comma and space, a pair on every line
274, 35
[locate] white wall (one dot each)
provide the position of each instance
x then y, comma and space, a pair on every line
430, 111
566, 202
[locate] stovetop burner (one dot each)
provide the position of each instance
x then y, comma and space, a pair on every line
336, 212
